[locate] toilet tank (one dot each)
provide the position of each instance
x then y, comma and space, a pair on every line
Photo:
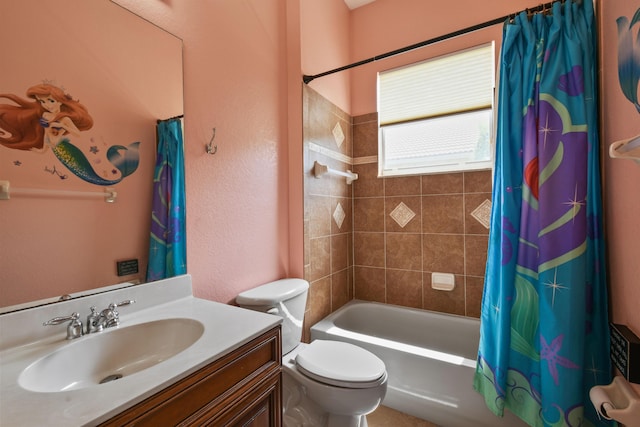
286, 298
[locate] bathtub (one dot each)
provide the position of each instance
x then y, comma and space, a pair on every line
430, 358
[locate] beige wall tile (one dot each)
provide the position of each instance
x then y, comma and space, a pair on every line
443, 214
339, 289
446, 183
414, 203
319, 214
404, 288
347, 223
404, 251
443, 253
368, 214
351, 281
477, 182
320, 265
368, 184
368, 249
403, 186
474, 289
307, 248
471, 203
476, 254
369, 284
321, 119
365, 139
319, 300
364, 118
339, 252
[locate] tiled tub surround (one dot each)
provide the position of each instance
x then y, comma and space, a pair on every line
405, 228
394, 232
328, 221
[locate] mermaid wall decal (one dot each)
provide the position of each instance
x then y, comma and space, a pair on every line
49, 119
629, 58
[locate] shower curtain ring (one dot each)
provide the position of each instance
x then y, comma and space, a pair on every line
212, 149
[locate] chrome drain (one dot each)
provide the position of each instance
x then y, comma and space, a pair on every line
111, 378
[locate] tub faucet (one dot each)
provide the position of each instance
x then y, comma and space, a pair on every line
107, 318
74, 329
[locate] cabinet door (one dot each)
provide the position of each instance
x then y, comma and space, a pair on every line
261, 407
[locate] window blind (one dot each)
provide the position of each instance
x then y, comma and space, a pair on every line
444, 85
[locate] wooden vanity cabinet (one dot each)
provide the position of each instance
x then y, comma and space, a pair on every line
242, 388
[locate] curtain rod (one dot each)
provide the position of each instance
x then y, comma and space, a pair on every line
542, 7
170, 118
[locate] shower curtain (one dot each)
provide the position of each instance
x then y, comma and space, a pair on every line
544, 325
167, 248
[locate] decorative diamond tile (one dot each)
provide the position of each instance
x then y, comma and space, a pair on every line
402, 214
483, 213
339, 215
338, 135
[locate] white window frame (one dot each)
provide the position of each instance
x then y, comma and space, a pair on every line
438, 116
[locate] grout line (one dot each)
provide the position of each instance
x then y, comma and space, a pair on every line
384, 235
464, 240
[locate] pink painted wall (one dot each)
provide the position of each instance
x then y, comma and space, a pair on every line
622, 177
325, 41
53, 245
236, 80
386, 25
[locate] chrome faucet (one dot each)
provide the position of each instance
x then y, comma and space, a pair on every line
107, 318
93, 321
74, 329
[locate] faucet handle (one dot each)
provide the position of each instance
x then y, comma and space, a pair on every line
112, 313
127, 302
74, 329
113, 305
61, 319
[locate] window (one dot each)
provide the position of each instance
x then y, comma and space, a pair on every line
436, 115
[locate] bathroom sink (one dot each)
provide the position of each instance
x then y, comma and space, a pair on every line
110, 355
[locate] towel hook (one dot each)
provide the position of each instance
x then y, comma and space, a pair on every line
212, 149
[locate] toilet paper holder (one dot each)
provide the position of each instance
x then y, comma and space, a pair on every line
616, 401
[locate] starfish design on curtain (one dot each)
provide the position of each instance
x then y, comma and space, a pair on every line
550, 354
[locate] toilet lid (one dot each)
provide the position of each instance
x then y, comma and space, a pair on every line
341, 364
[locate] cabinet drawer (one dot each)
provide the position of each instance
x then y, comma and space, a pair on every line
212, 389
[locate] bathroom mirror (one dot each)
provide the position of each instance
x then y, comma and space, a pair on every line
56, 238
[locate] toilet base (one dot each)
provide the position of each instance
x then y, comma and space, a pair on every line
300, 410
347, 421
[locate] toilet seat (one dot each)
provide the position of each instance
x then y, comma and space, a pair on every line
341, 364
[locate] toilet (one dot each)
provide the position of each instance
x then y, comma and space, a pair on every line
325, 383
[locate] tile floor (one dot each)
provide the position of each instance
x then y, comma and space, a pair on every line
387, 417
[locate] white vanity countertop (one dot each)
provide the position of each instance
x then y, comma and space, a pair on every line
226, 328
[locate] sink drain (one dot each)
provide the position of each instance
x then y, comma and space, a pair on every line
111, 378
